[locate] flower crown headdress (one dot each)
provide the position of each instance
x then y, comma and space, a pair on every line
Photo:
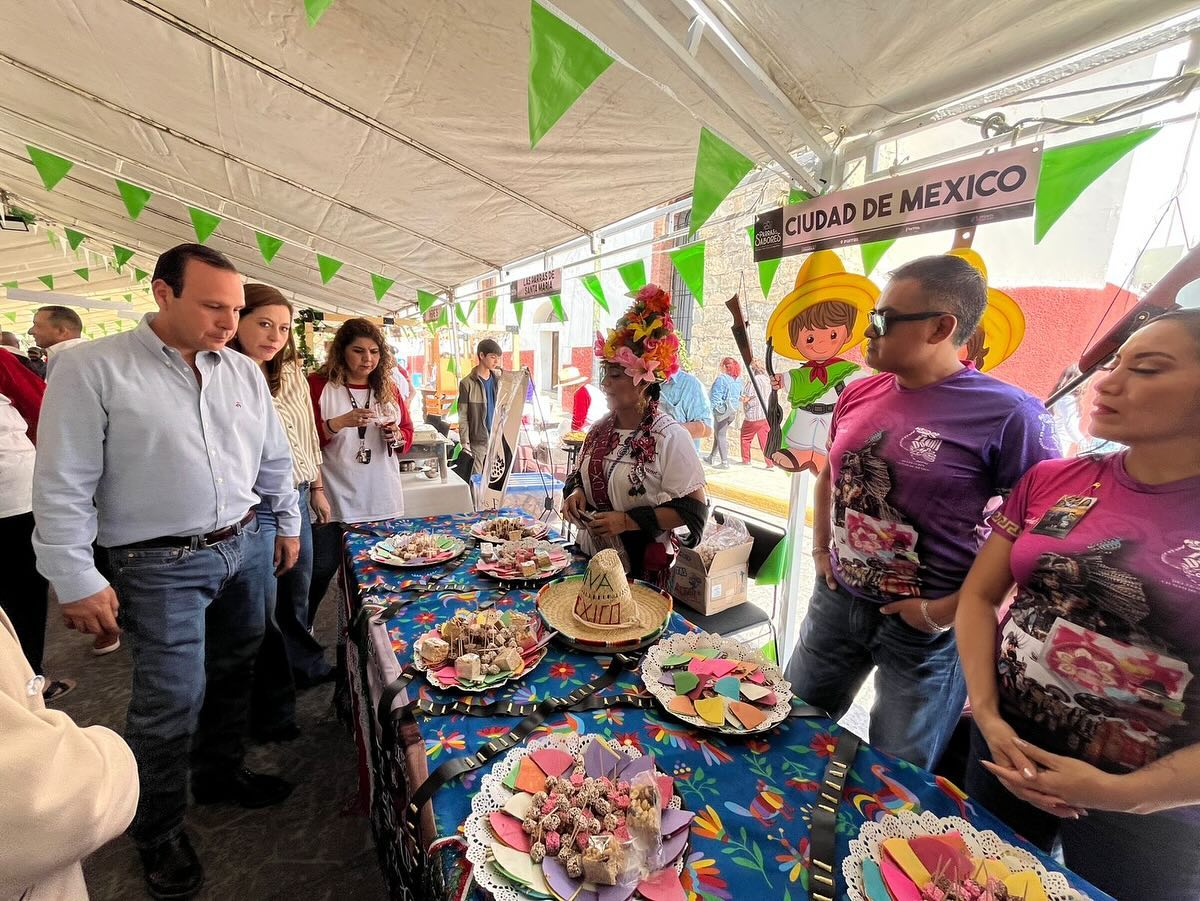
643, 340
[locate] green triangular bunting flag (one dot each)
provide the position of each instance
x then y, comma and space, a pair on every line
460, 313
562, 65
50, 167
122, 255
47, 280
74, 238
135, 198
83, 273
719, 168
381, 285
13, 285
689, 263
872, 252
766, 269
452, 365
1067, 171
11, 317
128, 298
425, 301
329, 267
798, 195
443, 319
492, 303
268, 246
633, 274
556, 305
592, 283
519, 308
139, 274
775, 567
314, 9
52, 238
204, 223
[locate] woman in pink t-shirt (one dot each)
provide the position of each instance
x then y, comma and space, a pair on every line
1086, 697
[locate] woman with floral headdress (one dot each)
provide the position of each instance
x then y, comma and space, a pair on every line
639, 476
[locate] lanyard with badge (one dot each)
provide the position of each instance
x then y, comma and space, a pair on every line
364, 452
1066, 514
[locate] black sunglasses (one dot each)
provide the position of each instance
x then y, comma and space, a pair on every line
880, 321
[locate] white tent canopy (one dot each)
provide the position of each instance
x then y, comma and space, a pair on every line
393, 135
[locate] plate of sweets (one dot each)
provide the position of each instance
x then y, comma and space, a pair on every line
574, 438
527, 558
923, 857
476, 650
417, 549
509, 528
573, 817
717, 683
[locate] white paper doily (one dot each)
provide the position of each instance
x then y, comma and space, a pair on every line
652, 670
493, 794
981, 844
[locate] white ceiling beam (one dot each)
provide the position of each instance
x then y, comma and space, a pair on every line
638, 13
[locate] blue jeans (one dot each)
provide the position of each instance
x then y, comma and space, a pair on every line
919, 688
194, 621
1126, 855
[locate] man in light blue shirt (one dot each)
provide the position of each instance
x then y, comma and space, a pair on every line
161, 443
684, 398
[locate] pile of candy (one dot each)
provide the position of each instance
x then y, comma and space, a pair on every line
480, 646
525, 559
509, 528
419, 546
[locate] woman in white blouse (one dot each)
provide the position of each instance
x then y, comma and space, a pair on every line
289, 656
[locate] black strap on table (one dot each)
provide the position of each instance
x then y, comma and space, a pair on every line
822, 883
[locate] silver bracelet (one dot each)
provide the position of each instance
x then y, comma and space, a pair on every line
929, 621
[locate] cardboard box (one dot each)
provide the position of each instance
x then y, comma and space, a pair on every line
724, 583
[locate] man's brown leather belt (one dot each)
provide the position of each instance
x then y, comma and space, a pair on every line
195, 542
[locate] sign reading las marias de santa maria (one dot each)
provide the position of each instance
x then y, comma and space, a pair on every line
544, 284
989, 188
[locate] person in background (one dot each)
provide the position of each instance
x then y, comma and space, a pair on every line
25, 592
726, 398
12, 344
290, 657
161, 442
361, 423
67, 790
56, 329
684, 399
916, 455
754, 425
1088, 707
477, 402
588, 405
1072, 417
639, 477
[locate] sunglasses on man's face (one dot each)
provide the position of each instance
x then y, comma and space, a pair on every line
879, 320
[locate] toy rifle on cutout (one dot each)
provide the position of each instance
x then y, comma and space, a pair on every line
741, 337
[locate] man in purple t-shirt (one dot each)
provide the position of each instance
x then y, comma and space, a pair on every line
916, 454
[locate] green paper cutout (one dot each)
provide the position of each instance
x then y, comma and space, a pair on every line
50, 167
775, 567
676, 660
454, 409
719, 169
556, 305
592, 283
689, 263
798, 195
562, 65
633, 274
329, 267
47, 280
139, 274
83, 273
134, 197
425, 301
381, 285
457, 447
766, 268
1067, 172
74, 238
122, 255
268, 246
492, 303
204, 223
685, 681
872, 252
314, 9
519, 307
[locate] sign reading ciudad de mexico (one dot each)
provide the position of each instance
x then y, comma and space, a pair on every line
541, 285
988, 188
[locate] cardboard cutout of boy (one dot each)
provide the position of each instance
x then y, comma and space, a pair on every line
1000, 331
823, 316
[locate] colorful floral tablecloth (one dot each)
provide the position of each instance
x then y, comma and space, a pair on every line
752, 797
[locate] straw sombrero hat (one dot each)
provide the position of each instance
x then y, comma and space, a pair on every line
821, 278
602, 608
1003, 322
569, 376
